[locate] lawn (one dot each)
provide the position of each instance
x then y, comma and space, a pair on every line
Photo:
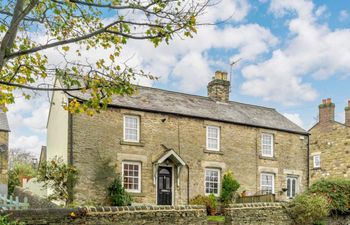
216, 218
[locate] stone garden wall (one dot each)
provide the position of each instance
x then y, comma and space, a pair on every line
257, 214
267, 214
128, 215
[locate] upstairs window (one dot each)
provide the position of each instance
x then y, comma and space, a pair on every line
292, 186
267, 183
267, 145
212, 181
317, 161
131, 128
213, 138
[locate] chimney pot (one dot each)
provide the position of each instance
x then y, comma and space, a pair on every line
348, 103
326, 111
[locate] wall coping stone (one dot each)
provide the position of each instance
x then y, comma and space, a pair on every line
256, 205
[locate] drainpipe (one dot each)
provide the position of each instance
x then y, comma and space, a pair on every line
308, 161
70, 157
188, 184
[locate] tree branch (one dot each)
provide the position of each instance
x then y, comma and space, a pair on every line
38, 88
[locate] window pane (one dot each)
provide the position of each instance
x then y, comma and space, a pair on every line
212, 137
131, 176
131, 129
211, 181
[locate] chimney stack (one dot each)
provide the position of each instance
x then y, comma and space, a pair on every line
347, 114
219, 87
326, 111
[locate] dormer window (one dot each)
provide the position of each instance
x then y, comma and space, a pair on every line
213, 138
131, 128
267, 145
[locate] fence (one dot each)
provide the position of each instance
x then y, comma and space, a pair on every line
10, 203
256, 198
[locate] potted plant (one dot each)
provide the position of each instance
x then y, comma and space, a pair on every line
212, 204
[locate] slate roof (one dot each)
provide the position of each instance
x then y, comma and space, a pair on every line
4, 125
158, 100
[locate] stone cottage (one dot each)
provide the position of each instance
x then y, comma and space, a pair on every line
170, 147
330, 144
4, 144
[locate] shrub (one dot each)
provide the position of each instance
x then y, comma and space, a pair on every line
337, 192
213, 203
229, 187
117, 193
60, 177
19, 170
199, 200
4, 220
308, 209
210, 202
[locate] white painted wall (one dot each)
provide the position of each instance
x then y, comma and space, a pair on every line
36, 188
57, 127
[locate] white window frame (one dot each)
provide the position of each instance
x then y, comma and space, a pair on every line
219, 180
273, 181
139, 177
272, 144
138, 128
296, 188
218, 138
319, 161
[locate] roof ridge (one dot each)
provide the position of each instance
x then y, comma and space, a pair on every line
204, 97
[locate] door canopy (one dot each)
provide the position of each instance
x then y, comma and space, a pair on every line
172, 156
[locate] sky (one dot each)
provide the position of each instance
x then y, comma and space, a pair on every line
293, 54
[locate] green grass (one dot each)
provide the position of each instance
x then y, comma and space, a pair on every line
216, 218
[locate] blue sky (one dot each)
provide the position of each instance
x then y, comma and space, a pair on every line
294, 53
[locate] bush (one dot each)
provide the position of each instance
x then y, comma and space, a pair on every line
4, 220
15, 174
210, 202
117, 193
229, 187
308, 209
60, 177
337, 192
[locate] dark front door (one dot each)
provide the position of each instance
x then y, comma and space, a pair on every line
164, 186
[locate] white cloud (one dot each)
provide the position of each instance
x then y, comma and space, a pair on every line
193, 71
343, 15
312, 49
295, 118
234, 10
31, 143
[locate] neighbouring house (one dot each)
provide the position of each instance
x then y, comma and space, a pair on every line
170, 147
330, 144
4, 147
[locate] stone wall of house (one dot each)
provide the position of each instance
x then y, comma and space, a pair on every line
98, 152
257, 214
332, 142
165, 215
4, 140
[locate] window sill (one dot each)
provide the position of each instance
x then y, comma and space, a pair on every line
316, 168
213, 152
141, 144
267, 158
